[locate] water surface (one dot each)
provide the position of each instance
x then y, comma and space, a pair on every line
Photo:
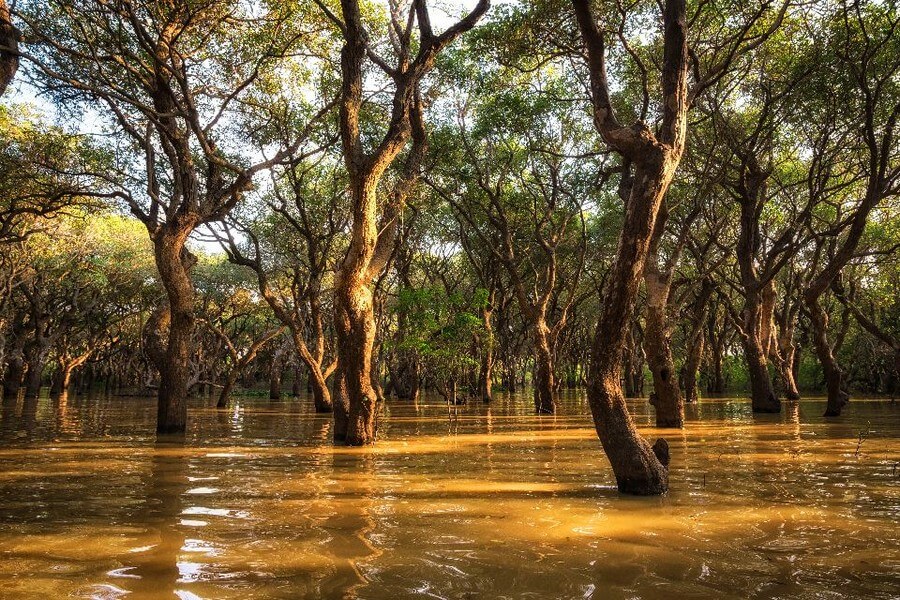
491, 503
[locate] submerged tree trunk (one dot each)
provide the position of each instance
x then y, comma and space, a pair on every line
174, 262
544, 384
666, 397
14, 376
639, 469
486, 368
834, 376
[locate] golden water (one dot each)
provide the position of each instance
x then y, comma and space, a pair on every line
496, 503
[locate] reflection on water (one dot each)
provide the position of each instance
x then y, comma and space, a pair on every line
255, 502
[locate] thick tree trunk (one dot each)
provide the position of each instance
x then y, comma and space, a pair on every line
321, 395
9, 38
756, 342
62, 379
544, 384
834, 376
355, 328
174, 262
762, 394
15, 375
35, 375
639, 469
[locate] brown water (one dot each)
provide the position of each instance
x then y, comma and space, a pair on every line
497, 503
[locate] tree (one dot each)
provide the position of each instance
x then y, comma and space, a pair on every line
371, 242
170, 76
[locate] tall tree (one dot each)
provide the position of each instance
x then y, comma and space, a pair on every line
170, 75
371, 239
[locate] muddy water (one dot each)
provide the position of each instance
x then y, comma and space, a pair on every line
495, 503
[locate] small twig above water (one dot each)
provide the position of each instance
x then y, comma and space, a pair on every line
862, 436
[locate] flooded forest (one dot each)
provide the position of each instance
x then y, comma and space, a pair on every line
455, 299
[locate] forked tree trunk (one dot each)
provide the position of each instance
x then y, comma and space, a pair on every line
174, 262
638, 467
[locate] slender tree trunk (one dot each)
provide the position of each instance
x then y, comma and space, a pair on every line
486, 368
787, 353
692, 367
174, 263
834, 376
666, 397
275, 377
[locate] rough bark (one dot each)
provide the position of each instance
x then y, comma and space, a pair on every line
638, 467
174, 263
544, 378
9, 42
666, 397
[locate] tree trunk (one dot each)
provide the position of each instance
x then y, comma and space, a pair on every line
275, 377
486, 368
174, 262
756, 340
227, 388
544, 385
34, 376
9, 38
834, 377
14, 377
762, 394
691, 368
355, 328
321, 395
639, 469
786, 367
666, 397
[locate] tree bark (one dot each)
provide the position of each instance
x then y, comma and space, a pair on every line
544, 377
834, 376
666, 397
174, 261
9, 39
638, 467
